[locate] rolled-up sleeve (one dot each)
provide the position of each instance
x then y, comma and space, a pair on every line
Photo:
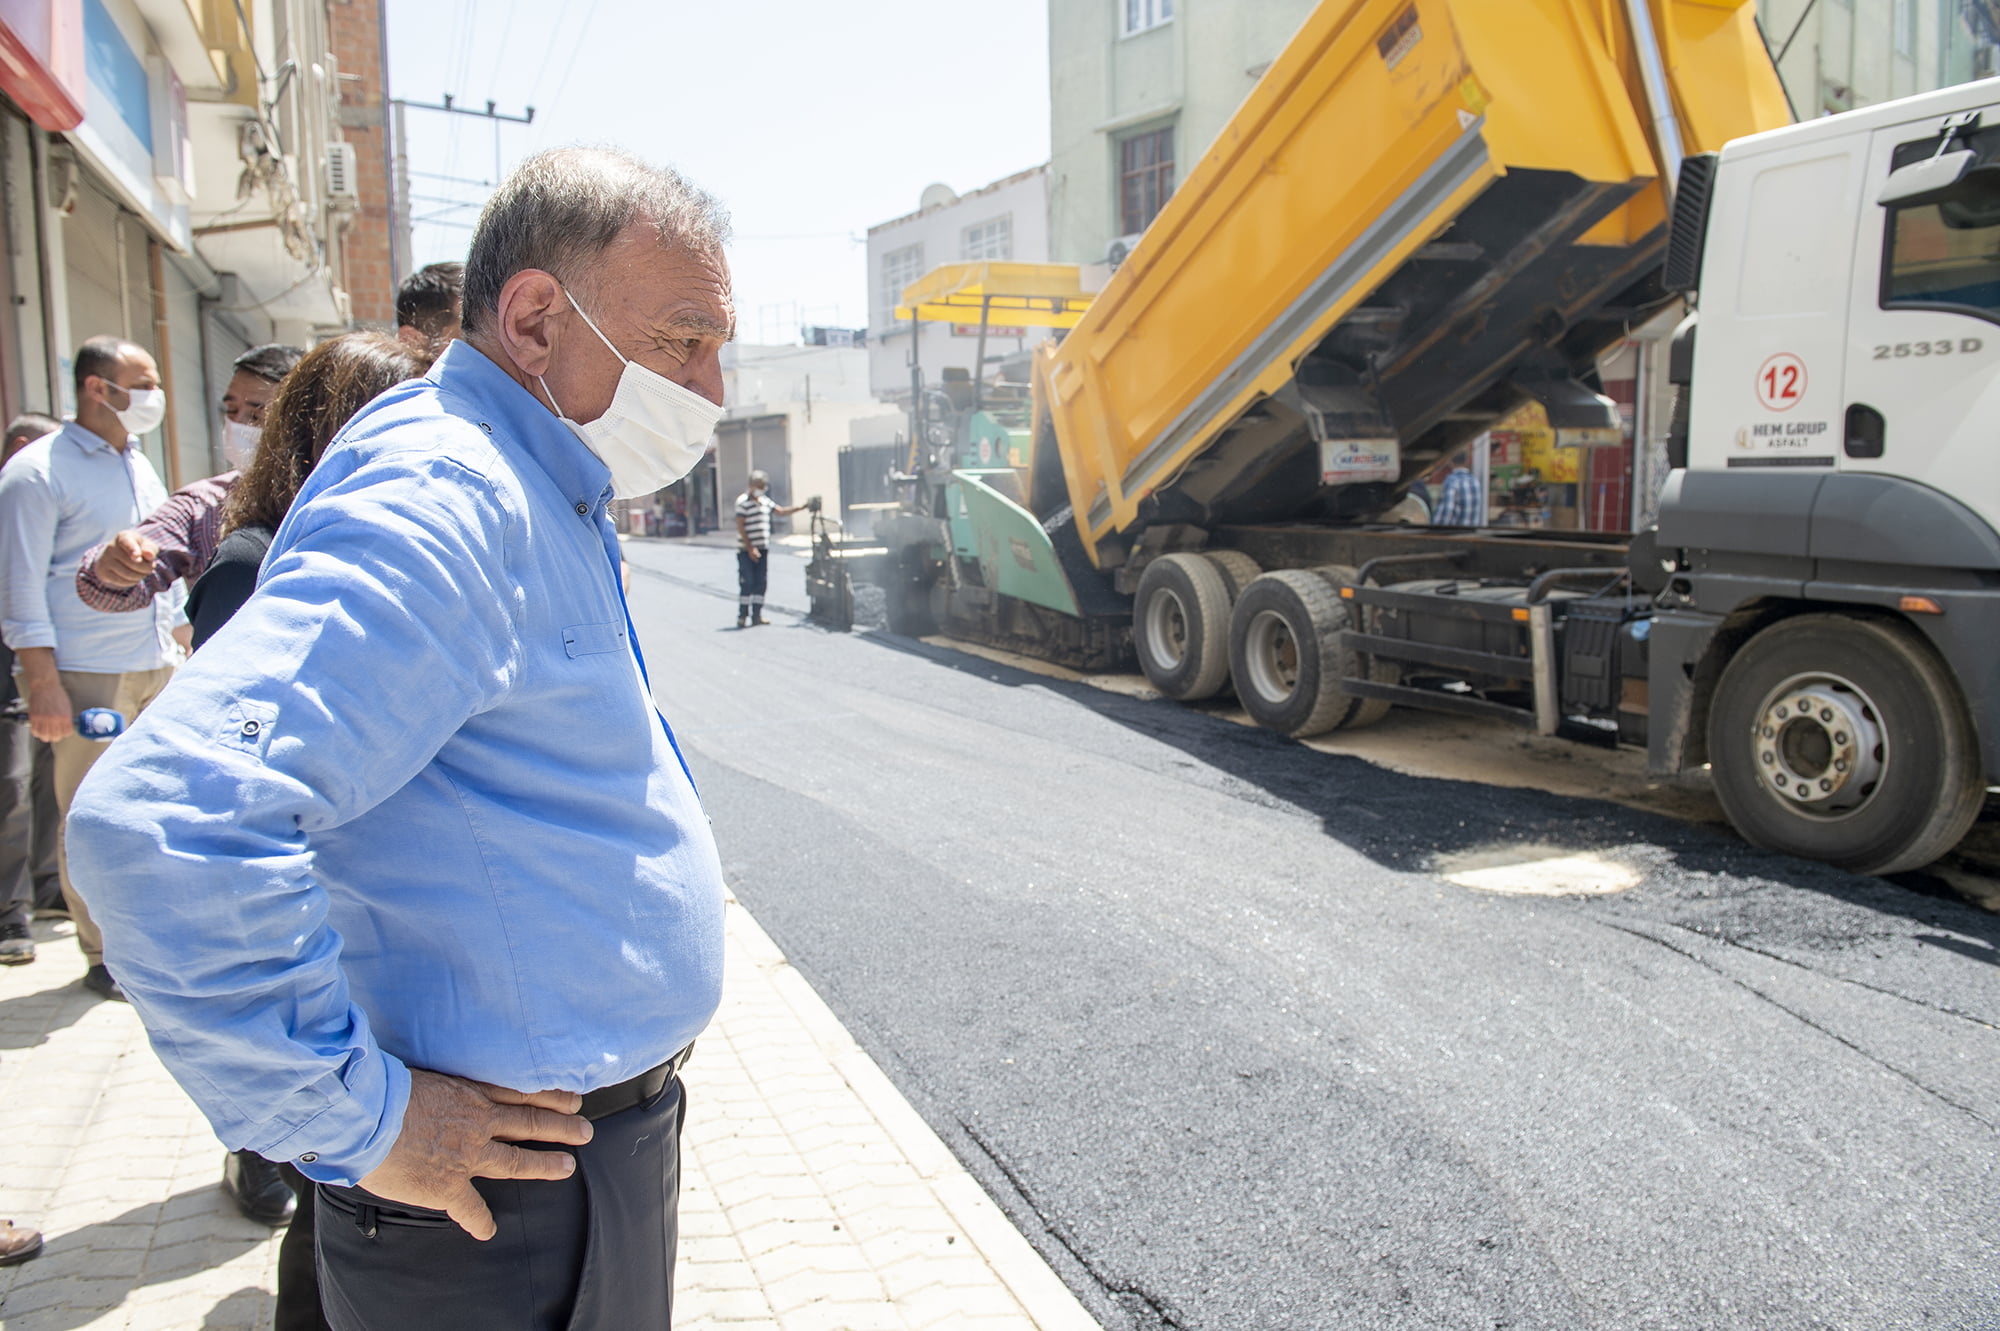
28, 515
385, 618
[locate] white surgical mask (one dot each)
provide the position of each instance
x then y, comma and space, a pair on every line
145, 411
654, 431
239, 443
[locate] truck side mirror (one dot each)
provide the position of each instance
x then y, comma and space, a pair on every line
1913, 183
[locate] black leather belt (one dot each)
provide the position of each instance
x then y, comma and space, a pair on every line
608, 1100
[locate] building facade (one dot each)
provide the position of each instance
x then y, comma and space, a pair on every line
1138, 89
1836, 55
175, 173
1006, 220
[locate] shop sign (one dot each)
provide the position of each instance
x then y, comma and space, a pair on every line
42, 62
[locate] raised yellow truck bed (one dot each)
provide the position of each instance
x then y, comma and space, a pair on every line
1423, 215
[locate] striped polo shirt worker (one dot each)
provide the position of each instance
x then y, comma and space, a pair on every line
754, 511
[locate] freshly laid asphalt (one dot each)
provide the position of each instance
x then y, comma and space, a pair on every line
1194, 1005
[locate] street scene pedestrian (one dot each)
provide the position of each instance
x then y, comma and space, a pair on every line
754, 511
18, 826
59, 496
1400, 604
177, 540
429, 306
333, 381
396, 1072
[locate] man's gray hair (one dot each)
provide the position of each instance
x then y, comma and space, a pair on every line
561, 209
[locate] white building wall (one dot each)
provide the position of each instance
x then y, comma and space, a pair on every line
820, 391
941, 234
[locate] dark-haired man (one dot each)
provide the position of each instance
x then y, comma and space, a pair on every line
178, 540
429, 306
59, 496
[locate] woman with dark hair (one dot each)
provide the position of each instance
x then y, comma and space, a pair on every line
336, 379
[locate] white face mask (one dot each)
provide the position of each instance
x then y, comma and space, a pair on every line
239, 443
146, 410
654, 431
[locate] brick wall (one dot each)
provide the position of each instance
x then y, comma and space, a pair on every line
355, 30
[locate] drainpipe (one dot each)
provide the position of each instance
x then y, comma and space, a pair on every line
1659, 96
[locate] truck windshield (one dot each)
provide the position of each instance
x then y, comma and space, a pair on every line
1946, 255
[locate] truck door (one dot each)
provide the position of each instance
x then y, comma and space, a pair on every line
1923, 367
1769, 369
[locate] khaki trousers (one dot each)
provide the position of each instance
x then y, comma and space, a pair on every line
128, 694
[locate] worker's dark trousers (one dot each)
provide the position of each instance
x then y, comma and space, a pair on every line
593, 1252
751, 576
17, 849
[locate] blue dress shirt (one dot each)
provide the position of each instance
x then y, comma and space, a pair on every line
412, 805
59, 496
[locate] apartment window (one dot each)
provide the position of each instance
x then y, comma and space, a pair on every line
991, 239
899, 269
1903, 18
1143, 14
1145, 178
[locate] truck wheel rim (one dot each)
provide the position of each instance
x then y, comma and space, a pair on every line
1820, 745
1272, 654
1166, 628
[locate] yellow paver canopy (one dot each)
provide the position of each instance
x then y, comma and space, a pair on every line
1031, 295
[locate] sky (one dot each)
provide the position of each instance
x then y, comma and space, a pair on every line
810, 121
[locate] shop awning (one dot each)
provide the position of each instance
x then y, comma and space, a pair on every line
1020, 295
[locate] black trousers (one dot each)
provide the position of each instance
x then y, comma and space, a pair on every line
593, 1252
17, 821
751, 577
46, 867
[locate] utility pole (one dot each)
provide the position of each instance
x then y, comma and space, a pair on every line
400, 242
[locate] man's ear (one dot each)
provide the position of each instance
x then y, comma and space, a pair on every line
523, 326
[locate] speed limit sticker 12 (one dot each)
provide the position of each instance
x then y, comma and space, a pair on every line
1781, 382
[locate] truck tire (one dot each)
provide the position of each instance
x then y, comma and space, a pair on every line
1367, 711
1238, 570
1285, 656
908, 603
1180, 627
1879, 770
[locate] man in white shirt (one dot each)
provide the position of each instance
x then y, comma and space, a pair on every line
60, 496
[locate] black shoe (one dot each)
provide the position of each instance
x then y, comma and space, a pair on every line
258, 1188
758, 621
98, 980
742, 620
17, 945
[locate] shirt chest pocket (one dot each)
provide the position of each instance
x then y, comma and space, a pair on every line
593, 639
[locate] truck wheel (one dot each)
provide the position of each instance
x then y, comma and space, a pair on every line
1238, 570
908, 603
1180, 626
1284, 653
1844, 740
1367, 711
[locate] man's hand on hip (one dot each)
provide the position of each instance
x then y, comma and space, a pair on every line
127, 560
455, 1131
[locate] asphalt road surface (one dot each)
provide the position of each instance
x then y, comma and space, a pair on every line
1205, 1013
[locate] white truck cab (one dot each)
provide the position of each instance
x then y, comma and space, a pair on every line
1829, 639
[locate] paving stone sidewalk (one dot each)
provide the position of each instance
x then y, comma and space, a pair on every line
814, 1197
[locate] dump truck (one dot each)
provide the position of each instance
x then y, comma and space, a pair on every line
1427, 215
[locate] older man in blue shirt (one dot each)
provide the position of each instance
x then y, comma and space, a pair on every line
405, 868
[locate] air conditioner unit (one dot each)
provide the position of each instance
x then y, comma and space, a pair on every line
1118, 250
340, 173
